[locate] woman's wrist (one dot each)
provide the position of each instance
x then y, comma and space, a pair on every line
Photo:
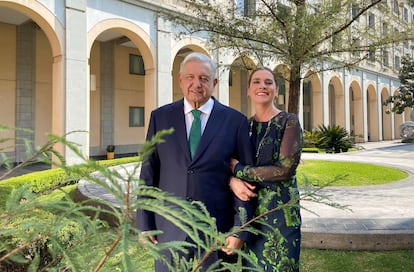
238, 170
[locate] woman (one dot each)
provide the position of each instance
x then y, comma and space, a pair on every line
277, 138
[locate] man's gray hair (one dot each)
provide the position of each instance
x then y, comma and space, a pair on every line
196, 56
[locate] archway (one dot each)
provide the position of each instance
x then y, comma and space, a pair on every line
31, 84
122, 86
372, 114
336, 102
239, 74
282, 73
312, 101
356, 112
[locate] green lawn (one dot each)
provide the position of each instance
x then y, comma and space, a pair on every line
314, 260
322, 172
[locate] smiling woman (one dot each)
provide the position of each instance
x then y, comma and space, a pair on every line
321, 173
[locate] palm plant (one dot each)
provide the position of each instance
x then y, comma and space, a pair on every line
333, 139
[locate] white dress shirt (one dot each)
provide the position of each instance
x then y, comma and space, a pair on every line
205, 114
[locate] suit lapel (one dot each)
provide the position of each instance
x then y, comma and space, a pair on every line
178, 122
214, 124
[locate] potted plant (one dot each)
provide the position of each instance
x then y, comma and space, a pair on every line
110, 152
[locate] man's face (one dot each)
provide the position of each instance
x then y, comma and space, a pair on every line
197, 82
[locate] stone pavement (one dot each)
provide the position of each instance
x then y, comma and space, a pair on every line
380, 217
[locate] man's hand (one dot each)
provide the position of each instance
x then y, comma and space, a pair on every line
243, 190
232, 243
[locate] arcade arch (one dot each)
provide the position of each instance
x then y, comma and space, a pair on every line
239, 74
312, 101
32, 87
282, 73
336, 102
372, 114
122, 85
356, 112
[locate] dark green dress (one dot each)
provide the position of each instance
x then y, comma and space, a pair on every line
278, 145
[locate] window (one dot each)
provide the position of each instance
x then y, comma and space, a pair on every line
245, 7
385, 57
136, 65
371, 54
384, 29
354, 10
356, 43
371, 21
406, 44
249, 7
336, 41
397, 62
136, 116
405, 14
395, 7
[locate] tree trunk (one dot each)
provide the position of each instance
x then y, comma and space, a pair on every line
294, 90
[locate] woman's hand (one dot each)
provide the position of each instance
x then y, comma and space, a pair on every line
243, 190
232, 243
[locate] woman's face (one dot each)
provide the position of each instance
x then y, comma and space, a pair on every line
262, 88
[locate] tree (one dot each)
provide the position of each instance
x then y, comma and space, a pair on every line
322, 35
404, 98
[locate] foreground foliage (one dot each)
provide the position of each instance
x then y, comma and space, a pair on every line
43, 229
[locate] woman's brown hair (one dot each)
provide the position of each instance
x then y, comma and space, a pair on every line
262, 69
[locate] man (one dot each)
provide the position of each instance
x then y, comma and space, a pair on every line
203, 176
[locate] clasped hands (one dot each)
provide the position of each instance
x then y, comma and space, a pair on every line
243, 190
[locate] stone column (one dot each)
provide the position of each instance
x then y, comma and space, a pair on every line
107, 94
325, 97
379, 112
164, 64
25, 87
77, 91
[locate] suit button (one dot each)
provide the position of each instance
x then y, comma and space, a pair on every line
189, 198
190, 171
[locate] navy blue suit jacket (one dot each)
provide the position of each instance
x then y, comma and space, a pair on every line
206, 177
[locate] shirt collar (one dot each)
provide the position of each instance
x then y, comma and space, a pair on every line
206, 108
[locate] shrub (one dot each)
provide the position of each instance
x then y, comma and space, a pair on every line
310, 138
333, 139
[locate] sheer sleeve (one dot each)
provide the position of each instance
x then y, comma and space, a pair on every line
284, 167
